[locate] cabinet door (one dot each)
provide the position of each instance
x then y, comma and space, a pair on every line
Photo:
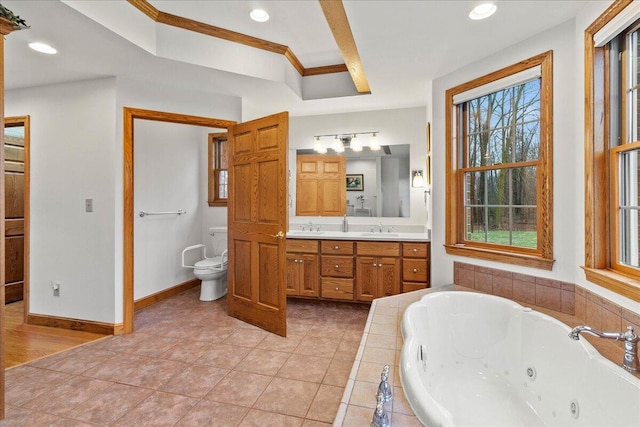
388, 277
309, 273
366, 278
293, 274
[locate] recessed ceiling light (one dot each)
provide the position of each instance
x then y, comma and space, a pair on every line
483, 11
259, 15
42, 48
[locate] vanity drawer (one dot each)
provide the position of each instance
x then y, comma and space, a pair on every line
305, 246
414, 270
337, 288
415, 250
337, 247
336, 266
378, 249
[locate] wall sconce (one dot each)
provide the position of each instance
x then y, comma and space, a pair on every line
417, 178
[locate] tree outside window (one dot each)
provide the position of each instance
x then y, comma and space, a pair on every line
499, 165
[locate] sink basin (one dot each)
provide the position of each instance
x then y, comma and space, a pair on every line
370, 234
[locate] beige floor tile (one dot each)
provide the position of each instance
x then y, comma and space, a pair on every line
195, 381
358, 416
325, 404
257, 418
223, 356
364, 394
159, 409
305, 368
113, 403
68, 395
277, 343
313, 423
208, 413
315, 346
245, 337
338, 372
239, 388
288, 397
265, 362
382, 341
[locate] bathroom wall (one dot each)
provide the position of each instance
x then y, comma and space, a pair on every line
73, 149
168, 177
566, 41
399, 126
76, 153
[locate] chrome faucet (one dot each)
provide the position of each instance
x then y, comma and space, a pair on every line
630, 362
380, 227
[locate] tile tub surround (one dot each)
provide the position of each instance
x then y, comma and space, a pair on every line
381, 344
189, 364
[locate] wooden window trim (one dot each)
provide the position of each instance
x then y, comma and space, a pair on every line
542, 257
597, 157
212, 176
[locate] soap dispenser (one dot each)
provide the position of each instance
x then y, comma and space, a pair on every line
345, 224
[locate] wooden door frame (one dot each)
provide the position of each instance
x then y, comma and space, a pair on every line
25, 121
129, 115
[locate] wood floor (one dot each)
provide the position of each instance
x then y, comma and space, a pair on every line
24, 343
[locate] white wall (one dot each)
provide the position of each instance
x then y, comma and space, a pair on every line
76, 153
568, 157
73, 148
400, 126
168, 177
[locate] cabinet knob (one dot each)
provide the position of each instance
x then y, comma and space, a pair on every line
337, 288
336, 247
295, 260
415, 250
336, 266
375, 265
415, 270
301, 261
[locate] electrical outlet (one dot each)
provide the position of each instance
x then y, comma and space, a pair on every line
56, 288
88, 205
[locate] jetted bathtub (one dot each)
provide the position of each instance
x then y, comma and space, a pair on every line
472, 359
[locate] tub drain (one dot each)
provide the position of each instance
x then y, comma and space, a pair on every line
531, 373
574, 409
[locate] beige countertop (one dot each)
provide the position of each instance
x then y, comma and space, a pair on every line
359, 235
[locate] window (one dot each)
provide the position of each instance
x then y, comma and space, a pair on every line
218, 165
499, 165
612, 196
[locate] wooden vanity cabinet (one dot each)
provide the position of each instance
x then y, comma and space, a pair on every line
302, 268
336, 269
415, 266
377, 270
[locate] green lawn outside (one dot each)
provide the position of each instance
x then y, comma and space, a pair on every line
523, 239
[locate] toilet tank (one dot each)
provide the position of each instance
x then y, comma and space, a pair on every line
218, 239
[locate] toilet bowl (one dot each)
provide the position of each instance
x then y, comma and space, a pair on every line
212, 271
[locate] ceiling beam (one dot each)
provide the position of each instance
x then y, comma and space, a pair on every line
337, 19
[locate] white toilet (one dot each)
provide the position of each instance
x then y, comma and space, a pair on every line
212, 271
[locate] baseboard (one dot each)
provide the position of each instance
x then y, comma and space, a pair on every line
74, 324
167, 293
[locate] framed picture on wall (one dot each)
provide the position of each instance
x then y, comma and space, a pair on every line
355, 182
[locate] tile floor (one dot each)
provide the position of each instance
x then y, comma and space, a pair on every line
189, 364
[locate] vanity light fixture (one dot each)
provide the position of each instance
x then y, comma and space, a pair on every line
374, 144
342, 141
483, 11
417, 178
43, 48
259, 15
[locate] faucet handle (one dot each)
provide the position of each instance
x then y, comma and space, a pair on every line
389, 229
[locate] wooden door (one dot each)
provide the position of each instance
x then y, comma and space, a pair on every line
366, 278
258, 219
14, 202
388, 277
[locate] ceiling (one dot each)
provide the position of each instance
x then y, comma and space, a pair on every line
403, 45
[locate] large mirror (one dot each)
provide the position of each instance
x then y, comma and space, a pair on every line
376, 183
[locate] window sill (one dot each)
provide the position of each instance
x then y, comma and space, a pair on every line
500, 256
614, 281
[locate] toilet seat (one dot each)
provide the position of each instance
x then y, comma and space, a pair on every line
215, 263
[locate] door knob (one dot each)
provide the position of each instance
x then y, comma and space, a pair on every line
279, 235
